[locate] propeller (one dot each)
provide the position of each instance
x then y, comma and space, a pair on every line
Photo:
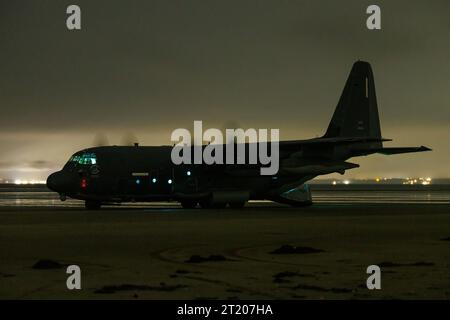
129, 139
100, 140
230, 124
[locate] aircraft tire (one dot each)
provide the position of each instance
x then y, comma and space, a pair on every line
301, 204
189, 204
207, 204
92, 204
237, 205
219, 205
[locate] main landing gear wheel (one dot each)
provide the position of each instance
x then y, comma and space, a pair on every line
301, 204
237, 205
204, 204
219, 205
189, 204
92, 204
208, 204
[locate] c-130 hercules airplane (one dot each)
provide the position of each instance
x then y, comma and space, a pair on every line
116, 174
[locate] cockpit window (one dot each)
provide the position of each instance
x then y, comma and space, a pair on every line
84, 159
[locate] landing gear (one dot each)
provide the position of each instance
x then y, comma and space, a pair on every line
204, 204
301, 204
208, 204
237, 205
92, 204
219, 205
189, 204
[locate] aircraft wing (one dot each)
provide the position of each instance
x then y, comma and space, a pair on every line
392, 150
333, 140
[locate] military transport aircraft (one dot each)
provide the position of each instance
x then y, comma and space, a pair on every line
116, 174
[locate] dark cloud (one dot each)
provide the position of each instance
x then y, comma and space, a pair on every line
40, 164
6, 164
35, 164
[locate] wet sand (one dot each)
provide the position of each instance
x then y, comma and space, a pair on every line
170, 253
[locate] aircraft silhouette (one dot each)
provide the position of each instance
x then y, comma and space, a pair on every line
115, 174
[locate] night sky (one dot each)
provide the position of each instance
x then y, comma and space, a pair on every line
139, 69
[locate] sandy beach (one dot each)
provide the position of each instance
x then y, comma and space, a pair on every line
170, 253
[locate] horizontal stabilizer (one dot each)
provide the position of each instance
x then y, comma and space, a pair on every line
318, 169
395, 150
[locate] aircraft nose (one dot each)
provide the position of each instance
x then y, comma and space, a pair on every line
51, 181
58, 181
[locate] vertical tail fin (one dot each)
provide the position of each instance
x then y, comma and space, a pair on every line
356, 114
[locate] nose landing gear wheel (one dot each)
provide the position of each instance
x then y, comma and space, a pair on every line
92, 204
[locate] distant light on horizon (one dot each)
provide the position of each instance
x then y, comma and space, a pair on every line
423, 181
20, 181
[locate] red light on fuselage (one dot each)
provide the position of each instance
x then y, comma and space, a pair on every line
83, 183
